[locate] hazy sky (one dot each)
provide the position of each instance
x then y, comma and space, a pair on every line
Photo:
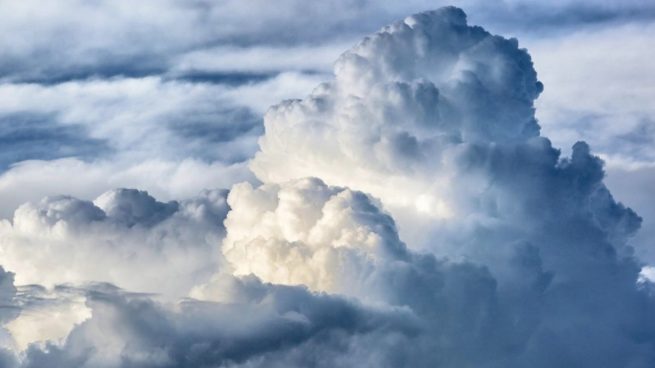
255, 183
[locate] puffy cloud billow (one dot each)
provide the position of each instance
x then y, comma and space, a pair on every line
407, 213
63, 240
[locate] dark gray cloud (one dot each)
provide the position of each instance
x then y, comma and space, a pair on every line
27, 136
531, 19
204, 133
229, 78
8, 309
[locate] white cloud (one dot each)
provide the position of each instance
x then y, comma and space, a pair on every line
125, 237
151, 117
306, 233
430, 108
599, 88
32, 180
8, 311
407, 107
46, 315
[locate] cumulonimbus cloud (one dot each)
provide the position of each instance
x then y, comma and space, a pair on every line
410, 215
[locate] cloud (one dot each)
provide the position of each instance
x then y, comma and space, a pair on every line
558, 17
201, 119
7, 294
424, 89
634, 187
87, 89
8, 311
599, 90
306, 233
408, 214
258, 59
127, 116
131, 330
31, 136
124, 237
32, 180
337, 240
118, 133
46, 314
410, 121
78, 40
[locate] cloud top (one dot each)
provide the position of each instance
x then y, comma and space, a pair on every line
404, 95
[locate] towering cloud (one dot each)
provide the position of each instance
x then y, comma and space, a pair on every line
436, 119
409, 214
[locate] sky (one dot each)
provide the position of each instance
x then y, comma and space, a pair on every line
327, 184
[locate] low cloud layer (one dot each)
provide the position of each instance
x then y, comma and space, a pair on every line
407, 213
75, 39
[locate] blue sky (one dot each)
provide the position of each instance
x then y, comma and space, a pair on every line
174, 98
